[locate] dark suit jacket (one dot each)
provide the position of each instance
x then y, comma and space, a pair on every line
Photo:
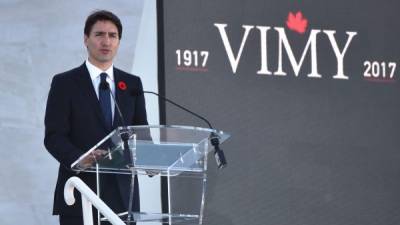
74, 123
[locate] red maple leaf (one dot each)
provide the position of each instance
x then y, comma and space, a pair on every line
297, 22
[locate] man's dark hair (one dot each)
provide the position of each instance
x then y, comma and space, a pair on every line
102, 15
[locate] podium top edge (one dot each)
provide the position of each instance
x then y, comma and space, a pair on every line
178, 127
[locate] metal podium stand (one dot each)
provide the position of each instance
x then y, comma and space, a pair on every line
177, 152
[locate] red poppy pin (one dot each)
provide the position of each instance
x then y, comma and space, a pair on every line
122, 85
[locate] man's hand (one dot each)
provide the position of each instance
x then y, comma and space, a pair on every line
92, 158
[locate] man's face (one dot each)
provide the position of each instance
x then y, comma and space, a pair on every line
102, 43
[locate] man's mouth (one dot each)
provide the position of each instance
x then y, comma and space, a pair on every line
105, 51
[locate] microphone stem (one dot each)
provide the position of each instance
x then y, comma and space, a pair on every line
181, 107
118, 109
125, 138
214, 138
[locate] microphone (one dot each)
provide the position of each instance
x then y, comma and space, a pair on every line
124, 134
127, 153
214, 137
105, 86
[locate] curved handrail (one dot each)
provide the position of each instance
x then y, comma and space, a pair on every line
89, 198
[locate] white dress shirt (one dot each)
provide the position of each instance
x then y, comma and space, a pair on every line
95, 76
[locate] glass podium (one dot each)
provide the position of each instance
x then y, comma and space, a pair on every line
177, 152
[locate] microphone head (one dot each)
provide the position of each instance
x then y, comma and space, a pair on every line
104, 86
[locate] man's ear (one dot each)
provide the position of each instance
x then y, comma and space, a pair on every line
85, 38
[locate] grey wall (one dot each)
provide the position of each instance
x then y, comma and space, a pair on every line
40, 38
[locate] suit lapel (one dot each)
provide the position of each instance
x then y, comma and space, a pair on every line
88, 93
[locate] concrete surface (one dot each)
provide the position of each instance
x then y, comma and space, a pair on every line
40, 38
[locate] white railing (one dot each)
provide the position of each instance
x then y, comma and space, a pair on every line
89, 198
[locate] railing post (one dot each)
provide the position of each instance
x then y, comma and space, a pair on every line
87, 211
89, 198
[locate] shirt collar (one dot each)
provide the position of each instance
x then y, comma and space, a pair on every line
95, 71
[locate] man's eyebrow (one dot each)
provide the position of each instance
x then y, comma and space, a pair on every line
104, 32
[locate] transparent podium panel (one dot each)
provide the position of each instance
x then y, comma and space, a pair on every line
177, 152
186, 198
155, 150
185, 202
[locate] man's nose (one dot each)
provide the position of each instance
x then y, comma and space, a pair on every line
106, 40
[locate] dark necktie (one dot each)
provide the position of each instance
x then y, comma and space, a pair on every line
105, 100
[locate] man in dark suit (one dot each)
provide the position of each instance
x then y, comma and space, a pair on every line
80, 113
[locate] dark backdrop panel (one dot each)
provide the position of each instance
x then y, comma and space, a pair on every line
303, 150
